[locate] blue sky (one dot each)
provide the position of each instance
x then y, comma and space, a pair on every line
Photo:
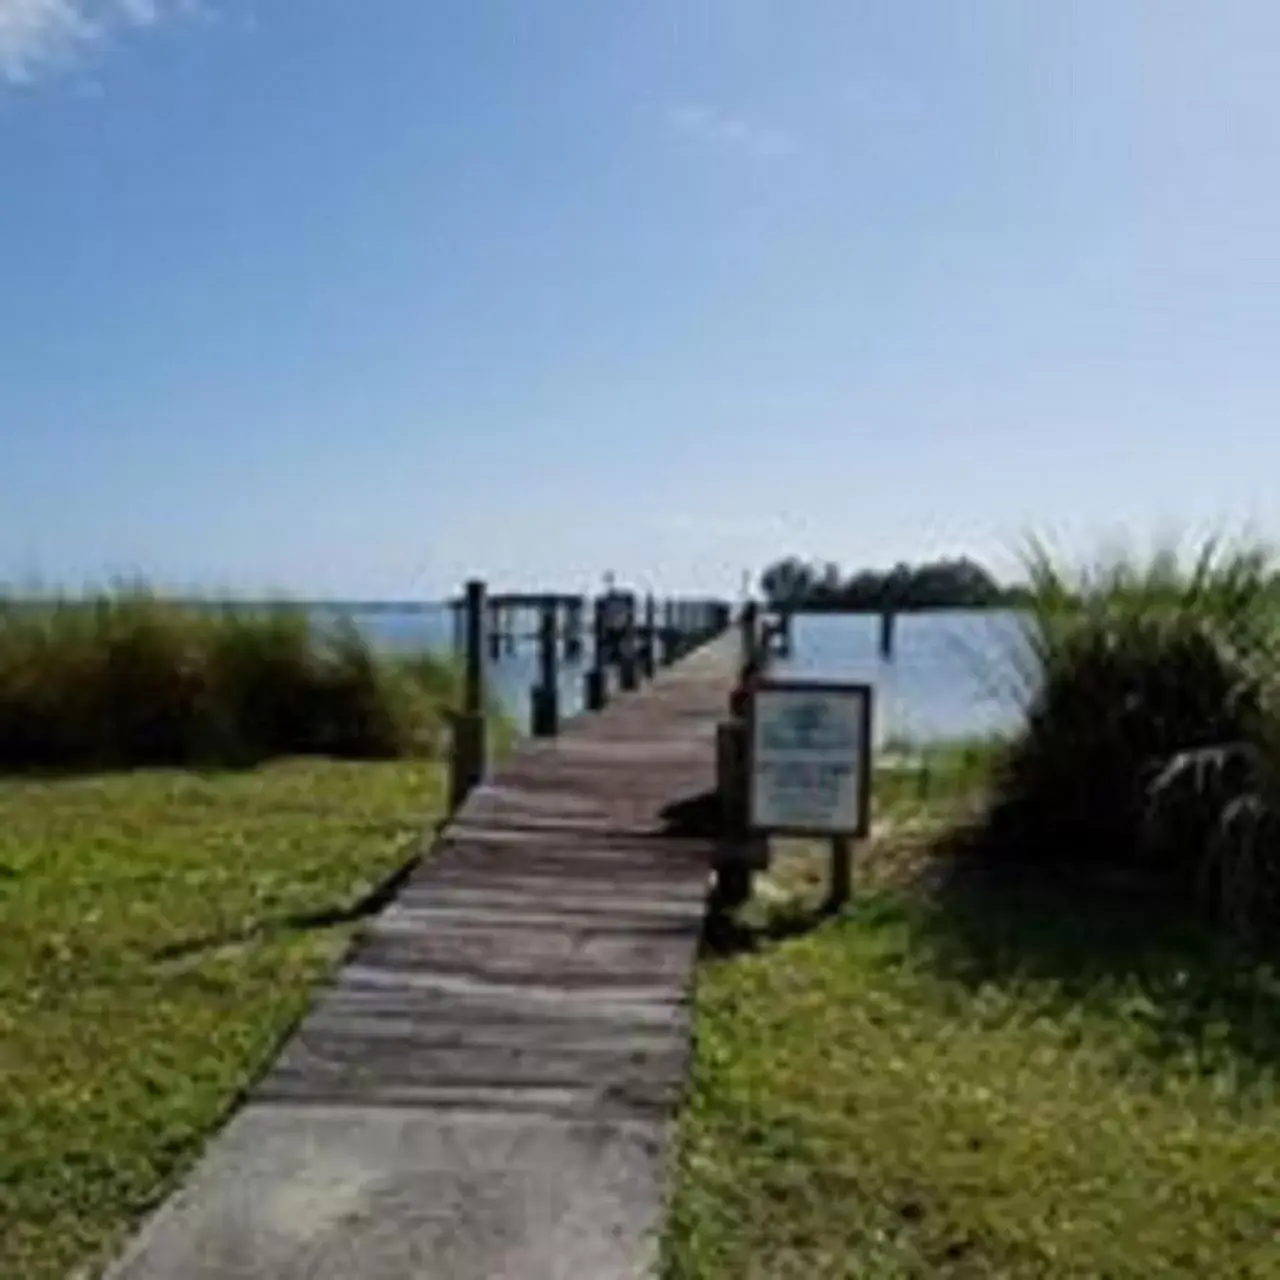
361, 297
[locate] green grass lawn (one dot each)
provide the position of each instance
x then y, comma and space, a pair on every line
159, 934
976, 1083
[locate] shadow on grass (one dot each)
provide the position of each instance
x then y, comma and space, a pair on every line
218, 765
726, 933
1114, 947
333, 917
88, 770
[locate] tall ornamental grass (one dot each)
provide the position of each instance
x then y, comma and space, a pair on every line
128, 678
1150, 745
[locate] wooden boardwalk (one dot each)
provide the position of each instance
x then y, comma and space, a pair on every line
486, 1088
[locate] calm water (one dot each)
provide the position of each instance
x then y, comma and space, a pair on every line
953, 674
511, 677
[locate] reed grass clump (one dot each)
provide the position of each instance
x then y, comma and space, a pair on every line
128, 678
1150, 744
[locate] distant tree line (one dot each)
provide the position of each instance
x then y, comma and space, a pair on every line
939, 584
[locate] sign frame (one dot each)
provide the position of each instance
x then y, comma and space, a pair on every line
864, 692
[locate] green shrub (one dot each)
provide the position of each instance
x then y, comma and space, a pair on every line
129, 679
1150, 734
264, 675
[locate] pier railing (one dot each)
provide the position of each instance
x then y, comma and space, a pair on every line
632, 638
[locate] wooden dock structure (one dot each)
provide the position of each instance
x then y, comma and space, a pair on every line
486, 1088
559, 619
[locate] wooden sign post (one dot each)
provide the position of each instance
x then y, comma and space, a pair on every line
545, 697
468, 755
809, 766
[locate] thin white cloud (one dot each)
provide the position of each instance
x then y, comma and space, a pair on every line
38, 36
728, 131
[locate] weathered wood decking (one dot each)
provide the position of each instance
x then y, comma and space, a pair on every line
486, 1088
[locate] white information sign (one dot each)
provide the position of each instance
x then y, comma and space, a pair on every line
810, 762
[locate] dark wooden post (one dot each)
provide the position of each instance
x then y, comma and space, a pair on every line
740, 853
731, 774
668, 633
595, 693
628, 666
606, 630
545, 701
748, 623
841, 887
650, 652
750, 660
469, 749
573, 630
732, 864
494, 630
887, 620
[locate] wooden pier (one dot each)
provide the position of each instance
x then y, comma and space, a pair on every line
486, 1089
558, 619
